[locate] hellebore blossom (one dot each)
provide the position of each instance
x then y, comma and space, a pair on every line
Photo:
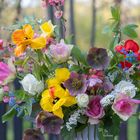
76, 84
124, 106
49, 123
60, 52
33, 134
82, 100
98, 58
7, 72
95, 110
32, 85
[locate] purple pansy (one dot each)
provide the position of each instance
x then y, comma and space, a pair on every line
49, 123
76, 84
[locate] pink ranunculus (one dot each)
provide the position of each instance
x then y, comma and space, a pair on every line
124, 106
7, 73
95, 110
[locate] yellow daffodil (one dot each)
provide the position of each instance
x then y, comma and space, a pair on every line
24, 38
48, 29
54, 98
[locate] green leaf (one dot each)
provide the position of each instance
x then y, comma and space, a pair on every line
129, 30
68, 40
68, 135
78, 55
115, 11
9, 115
83, 119
75, 68
20, 94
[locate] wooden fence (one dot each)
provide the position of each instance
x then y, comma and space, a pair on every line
18, 123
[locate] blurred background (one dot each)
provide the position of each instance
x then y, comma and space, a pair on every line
86, 19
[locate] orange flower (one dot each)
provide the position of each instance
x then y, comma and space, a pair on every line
24, 38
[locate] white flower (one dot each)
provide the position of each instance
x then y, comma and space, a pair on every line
32, 85
125, 87
73, 119
107, 100
82, 100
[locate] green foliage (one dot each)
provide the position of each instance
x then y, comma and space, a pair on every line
9, 115
115, 11
130, 30
79, 56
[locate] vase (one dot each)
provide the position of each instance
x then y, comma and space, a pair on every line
89, 133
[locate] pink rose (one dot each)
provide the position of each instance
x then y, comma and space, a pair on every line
95, 110
124, 106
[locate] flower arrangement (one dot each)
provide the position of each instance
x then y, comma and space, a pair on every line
65, 90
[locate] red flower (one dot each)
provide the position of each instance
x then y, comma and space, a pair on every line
120, 49
125, 64
131, 45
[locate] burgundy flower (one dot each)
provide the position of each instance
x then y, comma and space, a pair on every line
76, 84
95, 110
33, 134
49, 123
98, 58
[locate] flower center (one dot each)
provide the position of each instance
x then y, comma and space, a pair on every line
77, 84
55, 100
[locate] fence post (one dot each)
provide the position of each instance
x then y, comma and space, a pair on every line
3, 126
123, 131
18, 123
72, 23
138, 126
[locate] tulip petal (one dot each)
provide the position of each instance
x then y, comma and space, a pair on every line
59, 113
28, 31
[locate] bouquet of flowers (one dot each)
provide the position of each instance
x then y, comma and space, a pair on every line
63, 90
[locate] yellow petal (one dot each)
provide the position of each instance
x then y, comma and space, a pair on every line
59, 113
28, 31
59, 91
52, 82
47, 28
62, 74
59, 103
70, 101
46, 104
38, 43
45, 93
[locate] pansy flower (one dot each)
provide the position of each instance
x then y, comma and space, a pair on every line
24, 38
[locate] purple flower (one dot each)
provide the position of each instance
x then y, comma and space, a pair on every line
76, 84
98, 58
33, 134
49, 123
93, 81
60, 52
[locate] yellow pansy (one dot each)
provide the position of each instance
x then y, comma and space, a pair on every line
54, 98
24, 38
48, 29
